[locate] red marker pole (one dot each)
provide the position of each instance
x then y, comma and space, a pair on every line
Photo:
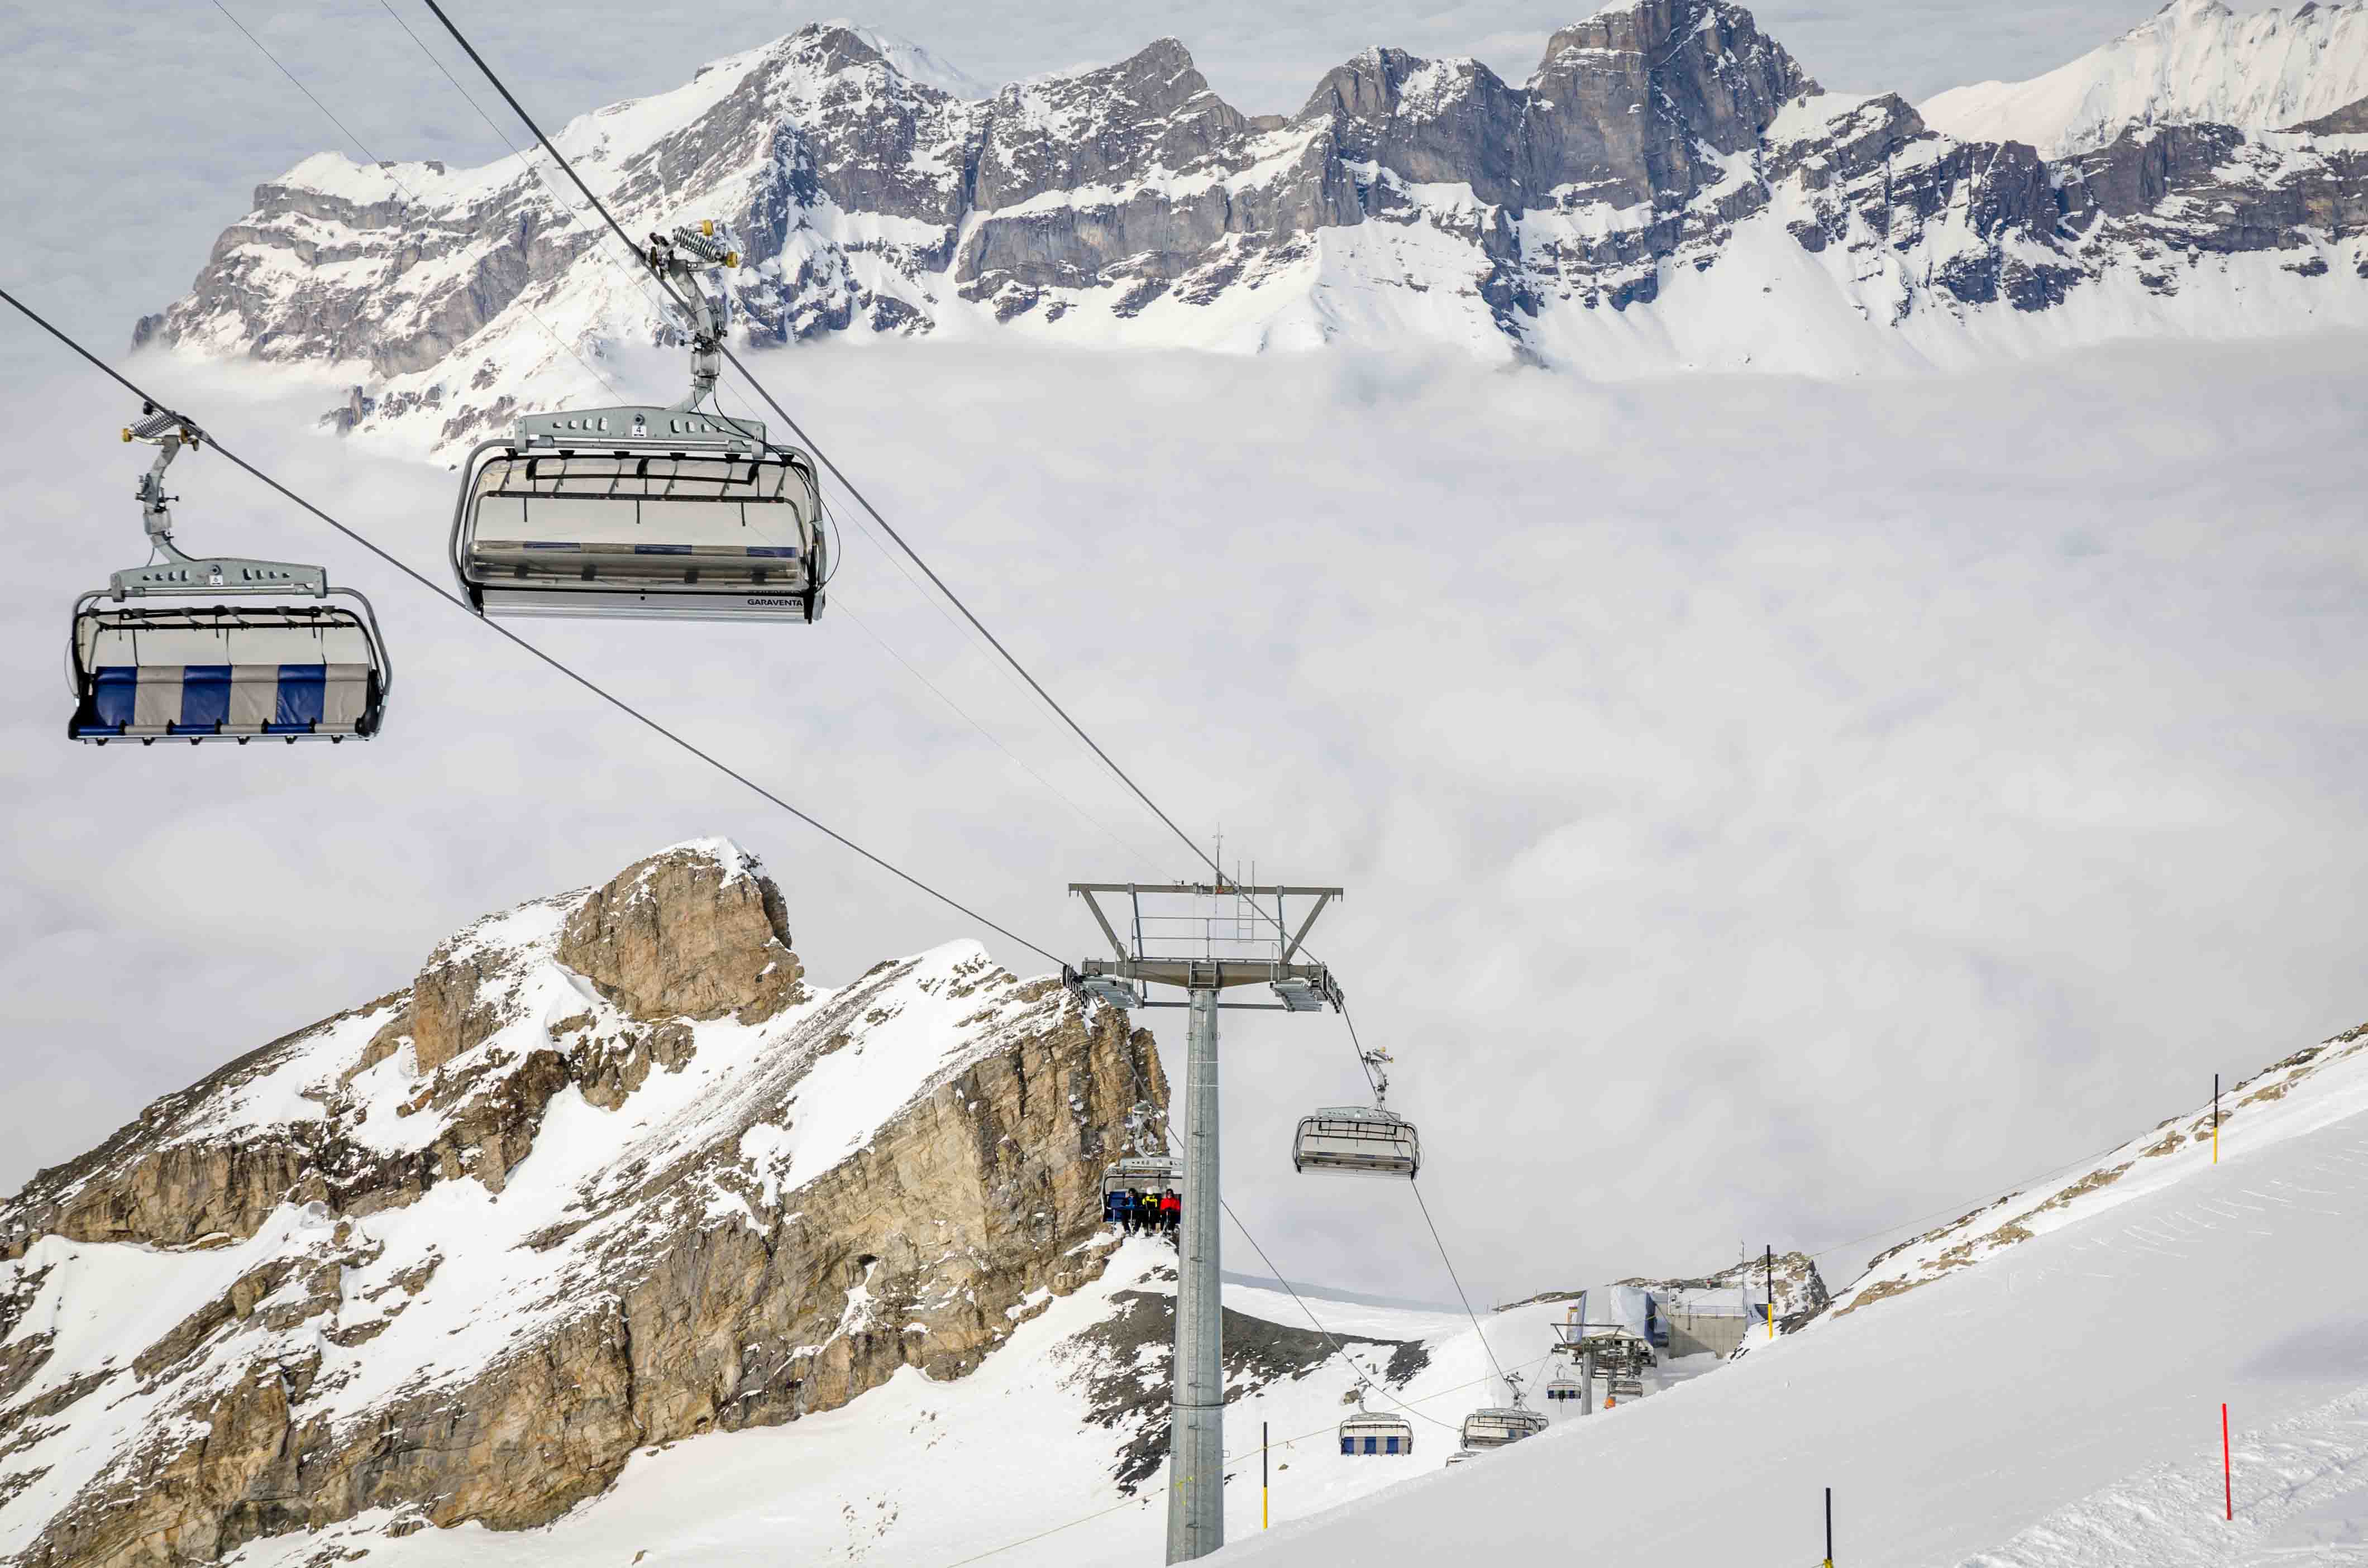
2227, 1471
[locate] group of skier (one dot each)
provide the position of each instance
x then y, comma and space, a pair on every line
1135, 1211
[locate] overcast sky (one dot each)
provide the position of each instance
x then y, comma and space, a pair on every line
1773, 811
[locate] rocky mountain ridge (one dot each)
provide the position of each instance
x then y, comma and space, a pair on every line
610, 1172
1669, 189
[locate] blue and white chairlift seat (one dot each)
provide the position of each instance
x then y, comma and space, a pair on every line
270, 659
226, 671
1368, 1432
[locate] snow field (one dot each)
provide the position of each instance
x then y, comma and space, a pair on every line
2058, 1404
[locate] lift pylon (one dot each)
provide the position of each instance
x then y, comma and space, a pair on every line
1204, 939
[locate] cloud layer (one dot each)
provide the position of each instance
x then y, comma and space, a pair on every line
1770, 810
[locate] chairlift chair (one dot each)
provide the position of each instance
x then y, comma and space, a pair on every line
1370, 1141
1371, 1432
1458, 1457
1493, 1427
680, 513
251, 666
1153, 1172
1566, 1384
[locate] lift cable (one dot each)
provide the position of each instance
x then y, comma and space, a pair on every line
410, 197
584, 681
824, 457
1357, 1046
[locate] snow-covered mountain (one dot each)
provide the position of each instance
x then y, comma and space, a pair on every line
1668, 189
609, 1174
614, 1238
2193, 60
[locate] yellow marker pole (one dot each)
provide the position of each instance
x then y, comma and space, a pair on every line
1265, 1480
1771, 1292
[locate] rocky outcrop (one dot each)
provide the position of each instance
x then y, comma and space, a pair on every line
609, 1174
687, 937
1407, 196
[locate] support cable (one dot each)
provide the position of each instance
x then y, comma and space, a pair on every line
504, 632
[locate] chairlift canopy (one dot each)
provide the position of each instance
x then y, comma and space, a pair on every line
270, 657
1371, 1432
1494, 1426
1357, 1140
640, 512
226, 671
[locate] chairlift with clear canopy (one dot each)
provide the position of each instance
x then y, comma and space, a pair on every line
680, 513
1368, 1140
1493, 1427
256, 663
1372, 1432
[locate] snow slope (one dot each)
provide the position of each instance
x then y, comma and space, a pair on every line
2193, 60
2056, 1401
919, 1472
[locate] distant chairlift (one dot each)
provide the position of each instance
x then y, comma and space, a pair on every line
1458, 1457
1567, 1385
1368, 1432
1493, 1427
258, 664
1370, 1141
668, 514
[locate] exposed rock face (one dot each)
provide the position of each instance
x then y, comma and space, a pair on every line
687, 937
1658, 142
610, 1174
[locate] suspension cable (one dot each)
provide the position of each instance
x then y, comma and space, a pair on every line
595, 688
